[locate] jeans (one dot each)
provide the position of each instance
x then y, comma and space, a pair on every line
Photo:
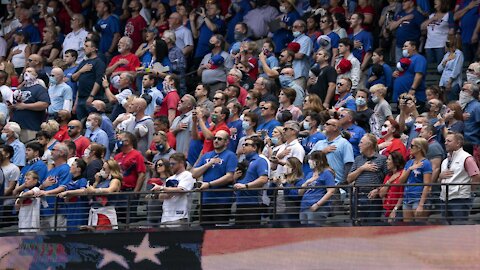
469, 51
368, 210
82, 111
435, 55
457, 209
318, 217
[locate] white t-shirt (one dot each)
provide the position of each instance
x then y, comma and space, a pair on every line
176, 207
11, 173
437, 32
7, 93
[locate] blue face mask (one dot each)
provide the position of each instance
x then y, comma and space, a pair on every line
245, 125
119, 144
52, 80
274, 140
4, 137
285, 80
160, 147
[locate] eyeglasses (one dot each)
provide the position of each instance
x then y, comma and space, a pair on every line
219, 139
160, 165
247, 144
217, 98
414, 145
470, 70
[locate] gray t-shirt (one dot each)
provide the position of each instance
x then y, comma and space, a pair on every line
381, 112
183, 137
144, 130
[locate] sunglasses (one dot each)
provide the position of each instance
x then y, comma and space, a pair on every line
160, 164
470, 70
219, 139
247, 144
217, 98
265, 108
72, 127
339, 84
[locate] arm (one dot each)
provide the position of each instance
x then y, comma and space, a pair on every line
111, 68
325, 198
116, 38
55, 191
141, 50
187, 50
222, 181
199, 171
365, 61
299, 56
10, 188
171, 115
113, 187
351, 177
18, 189
436, 164
427, 179
416, 83
272, 73
259, 182
140, 180
330, 94
36, 106
460, 13
193, 24
206, 132
211, 25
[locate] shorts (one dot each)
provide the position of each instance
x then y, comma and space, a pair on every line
410, 205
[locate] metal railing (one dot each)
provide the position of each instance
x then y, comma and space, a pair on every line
349, 207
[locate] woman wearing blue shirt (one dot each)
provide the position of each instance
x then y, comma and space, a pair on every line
417, 171
315, 205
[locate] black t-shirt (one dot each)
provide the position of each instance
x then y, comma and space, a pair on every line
29, 119
363, 118
88, 79
92, 168
326, 75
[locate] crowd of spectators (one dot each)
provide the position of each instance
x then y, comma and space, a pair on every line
106, 96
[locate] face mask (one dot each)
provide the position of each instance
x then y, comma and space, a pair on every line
50, 10
285, 80
231, 79
296, 33
160, 147
384, 131
166, 86
418, 127
103, 174
231, 113
274, 140
266, 52
211, 46
245, 125
238, 36
52, 80
360, 101
119, 144
214, 118
88, 125
283, 9
288, 170
29, 78
306, 125
405, 53
472, 78
4, 136
86, 153
375, 99
311, 164
91, 109
464, 99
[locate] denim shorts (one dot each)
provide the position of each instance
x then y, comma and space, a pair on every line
410, 205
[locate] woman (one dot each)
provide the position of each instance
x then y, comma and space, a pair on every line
183, 10
93, 156
19, 54
249, 125
439, 25
160, 12
102, 215
363, 111
159, 51
272, 144
154, 207
313, 135
417, 171
313, 30
77, 213
50, 48
392, 196
143, 52
451, 69
312, 103
288, 200
390, 141
433, 92
315, 204
452, 120
365, 7
12, 80
286, 99
340, 24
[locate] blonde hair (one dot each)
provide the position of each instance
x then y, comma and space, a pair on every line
115, 170
379, 89
422, 144
10, 70
51, 126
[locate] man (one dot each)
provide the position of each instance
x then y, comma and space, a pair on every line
10, 135
169, 105
326, 79
24, 16
10, 172
125, 62
74, 131
163, 147
347, 122
178, 63
131, 162
89, 76
176, 210
217, 168
368, 171
258, 19
234, 78
209, 24
149, 88
124, 91
266, 89
34, 152
345, 97
269, 110
253, 102
249, 202
413, 79
56, 182
285, 60
362, 40
75, 39
407, 24
36, 62
339, 151
232, 92
184, 38
471, 113
59, 92
143, 128
473, 73
95, 134
71, 57
29, 106
211, 69
182, 124
202, 92
326, 25
458, 168
301, 61
345, 46
466, 13
135, 24
286, 78
235, 125
108, 26
62, 118
291, 148
240, 35
219, 117
100, 107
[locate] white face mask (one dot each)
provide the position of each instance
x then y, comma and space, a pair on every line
472, 78
384, 130
86, 153
50, 10
311, 164
103, 174
464, 99
405, 53
288, 170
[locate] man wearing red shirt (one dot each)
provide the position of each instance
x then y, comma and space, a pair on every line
62, 118
131, 162
219, 116
170, 102
124, 62
233, 78
135, 24
81, 142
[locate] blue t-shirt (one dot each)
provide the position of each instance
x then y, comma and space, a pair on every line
356, 134
313, 195
410, 29
107, 28
228, 164
62, 173
366, 39
413, 193
39, 167
195, 148
467, 22
32, 33
268, 126
403, 83
234, 138
282, 36
334, 39
308, 143
338, 158
472, 124
239, 8
74, 85
204, 37
258, 167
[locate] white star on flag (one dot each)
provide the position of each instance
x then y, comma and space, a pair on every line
110, 256
145, 251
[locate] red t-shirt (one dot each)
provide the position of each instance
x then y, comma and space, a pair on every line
172, 142
81, 143
337, 10
396, 145
62, 134
64, 18
133, 30
132, 65
394, 193
132, 164
169, 102
242, 98
366, 10
208, 144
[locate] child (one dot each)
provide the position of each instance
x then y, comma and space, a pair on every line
382, 110
29, 208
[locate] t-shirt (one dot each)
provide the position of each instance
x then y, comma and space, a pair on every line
258, 167
29, 119
413, 193
81, 144
235, 136
58, 94
326, 75
227, 164
366, 39
87, 79
176, 207
38, 166
62, 175
268, 127
107, 28
395, 146
404, 82
313, 195
132, 164
409, 29
134, 29
11, 174
208, 144
204, 36
381, 112
169, 102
